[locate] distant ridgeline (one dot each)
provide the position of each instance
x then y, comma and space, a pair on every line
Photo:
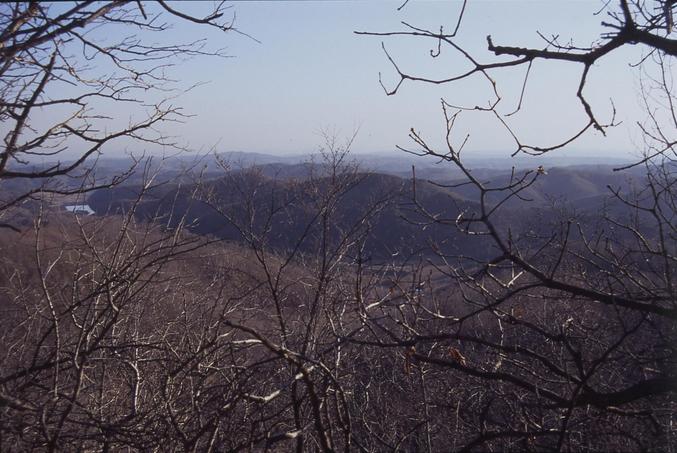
381, 208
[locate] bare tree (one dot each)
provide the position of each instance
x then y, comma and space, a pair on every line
564, 340
65, 70
108, 329
130, 332
309, 298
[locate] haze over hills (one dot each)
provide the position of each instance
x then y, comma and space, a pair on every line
384, 185
393, 162
275, 200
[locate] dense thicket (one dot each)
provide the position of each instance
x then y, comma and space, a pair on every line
246, 313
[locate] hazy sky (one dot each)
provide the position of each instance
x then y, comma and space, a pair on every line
311, 72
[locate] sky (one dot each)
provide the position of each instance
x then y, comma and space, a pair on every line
303, 70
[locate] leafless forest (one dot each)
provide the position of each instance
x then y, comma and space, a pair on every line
222, 308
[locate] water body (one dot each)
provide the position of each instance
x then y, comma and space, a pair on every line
79, 209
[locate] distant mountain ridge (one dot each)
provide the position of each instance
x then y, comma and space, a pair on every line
291, 165
281, 212
248, 196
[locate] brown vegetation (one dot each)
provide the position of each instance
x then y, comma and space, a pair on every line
129, 332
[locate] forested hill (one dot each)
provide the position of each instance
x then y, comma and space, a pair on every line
377, 210
277, 204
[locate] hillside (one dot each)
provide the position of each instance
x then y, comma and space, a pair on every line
376, 209
277, 204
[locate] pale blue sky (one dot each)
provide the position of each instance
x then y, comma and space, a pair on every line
311, 72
